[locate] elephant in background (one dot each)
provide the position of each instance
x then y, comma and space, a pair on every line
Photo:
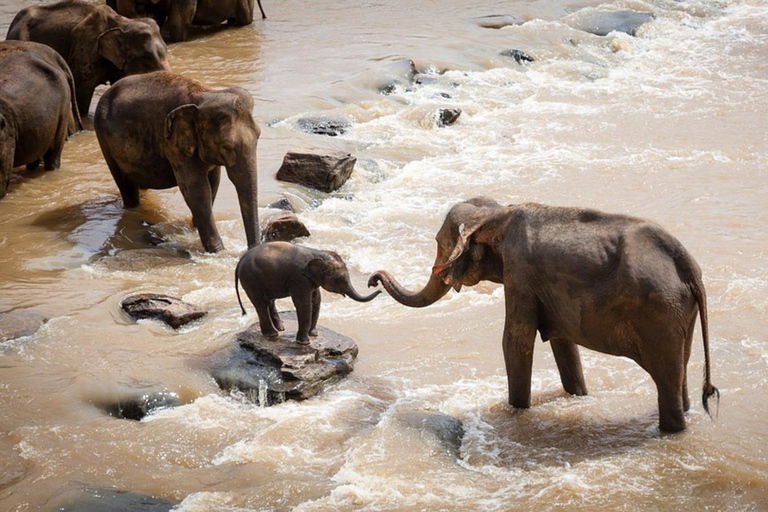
161, 130
611, 283
184, 14
275, 270
53, 58
99, 45
35, 113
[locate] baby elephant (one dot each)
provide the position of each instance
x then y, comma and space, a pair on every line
275, 270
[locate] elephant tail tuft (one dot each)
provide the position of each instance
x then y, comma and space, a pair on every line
708, 390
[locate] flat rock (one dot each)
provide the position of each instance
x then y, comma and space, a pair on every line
284, 227
15, 324
136, 404
442, 429
321, 169
270, 371
497, 21
324, 125
89, 499
174, 312
602, 23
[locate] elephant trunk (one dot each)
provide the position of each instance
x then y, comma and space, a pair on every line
434, 290
243, 176
354, 295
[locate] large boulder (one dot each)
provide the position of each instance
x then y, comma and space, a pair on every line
283, 227
602, 23
135, 404
440, 429
174, 312
321, 169
15, 324
270, 371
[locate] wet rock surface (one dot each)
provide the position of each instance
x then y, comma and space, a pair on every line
16, 324
91, 499
442, 429
519, 56
325, 170
497, 21
400, 74
331, 127
170, 310
270, 371
137, 404
602, 23
284, 227
282, 204
447, 116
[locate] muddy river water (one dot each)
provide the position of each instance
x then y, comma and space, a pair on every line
670, 124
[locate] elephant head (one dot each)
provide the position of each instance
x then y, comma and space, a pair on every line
134, 47
467, 252
330, 272
219, 130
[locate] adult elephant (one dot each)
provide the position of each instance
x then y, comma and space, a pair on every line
181, 15
162, 130
611, 283
35, 113
99, 45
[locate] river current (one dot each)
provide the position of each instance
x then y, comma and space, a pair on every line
669, 124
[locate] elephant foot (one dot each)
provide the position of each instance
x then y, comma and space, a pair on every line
302, 341
31, 166
313, 333
270, 335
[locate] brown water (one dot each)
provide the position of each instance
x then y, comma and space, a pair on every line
670, 125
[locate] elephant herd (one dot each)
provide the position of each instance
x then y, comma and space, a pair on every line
611, 283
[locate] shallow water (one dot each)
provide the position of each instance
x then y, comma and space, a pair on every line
668, 125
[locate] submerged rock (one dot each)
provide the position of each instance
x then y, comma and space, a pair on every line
325, 170
518, 55
90, 499
284, 227
134, 406
16, 324
324, 126
401, 74
602, 23
497, 21
174, 312
282, 204
270, 371
447, 116
442, 429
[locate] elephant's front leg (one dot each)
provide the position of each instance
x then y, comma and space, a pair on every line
569, 365
302, 300
316, 299
214, 178
519, 338
192, 178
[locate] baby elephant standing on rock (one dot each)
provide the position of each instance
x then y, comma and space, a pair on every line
276, 270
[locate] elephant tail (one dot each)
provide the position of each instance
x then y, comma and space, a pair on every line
708, 389
237, 289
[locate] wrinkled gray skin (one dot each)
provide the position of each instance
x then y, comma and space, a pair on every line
99, 45
181, 15
162, 130
611, 283
53, 58
35, 114
275, 270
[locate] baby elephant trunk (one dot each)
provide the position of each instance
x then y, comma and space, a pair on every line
352, 294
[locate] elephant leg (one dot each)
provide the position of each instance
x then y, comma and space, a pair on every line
52, 157
276, 320
686, 357
129, 191
196, 190
316, 299
265, 318
664, 359
214, 178
569, 365
518, 342
243, 12
180, 16
302, 300
31, 166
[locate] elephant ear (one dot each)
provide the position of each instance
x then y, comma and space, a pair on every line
180, 126
446, 271
111, 47
316, 271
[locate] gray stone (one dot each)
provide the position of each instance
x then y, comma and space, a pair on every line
15, 324
324, 126
400, 74
497, 21
139, 403
447, 116
518, 55
602, 23
442, 429
284, 227
270, 371
325, 170
282, 204
174, 312
90, 499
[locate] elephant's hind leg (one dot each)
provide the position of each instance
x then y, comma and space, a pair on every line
569, 365
276, 321
52, 157
129, 191
664, 361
